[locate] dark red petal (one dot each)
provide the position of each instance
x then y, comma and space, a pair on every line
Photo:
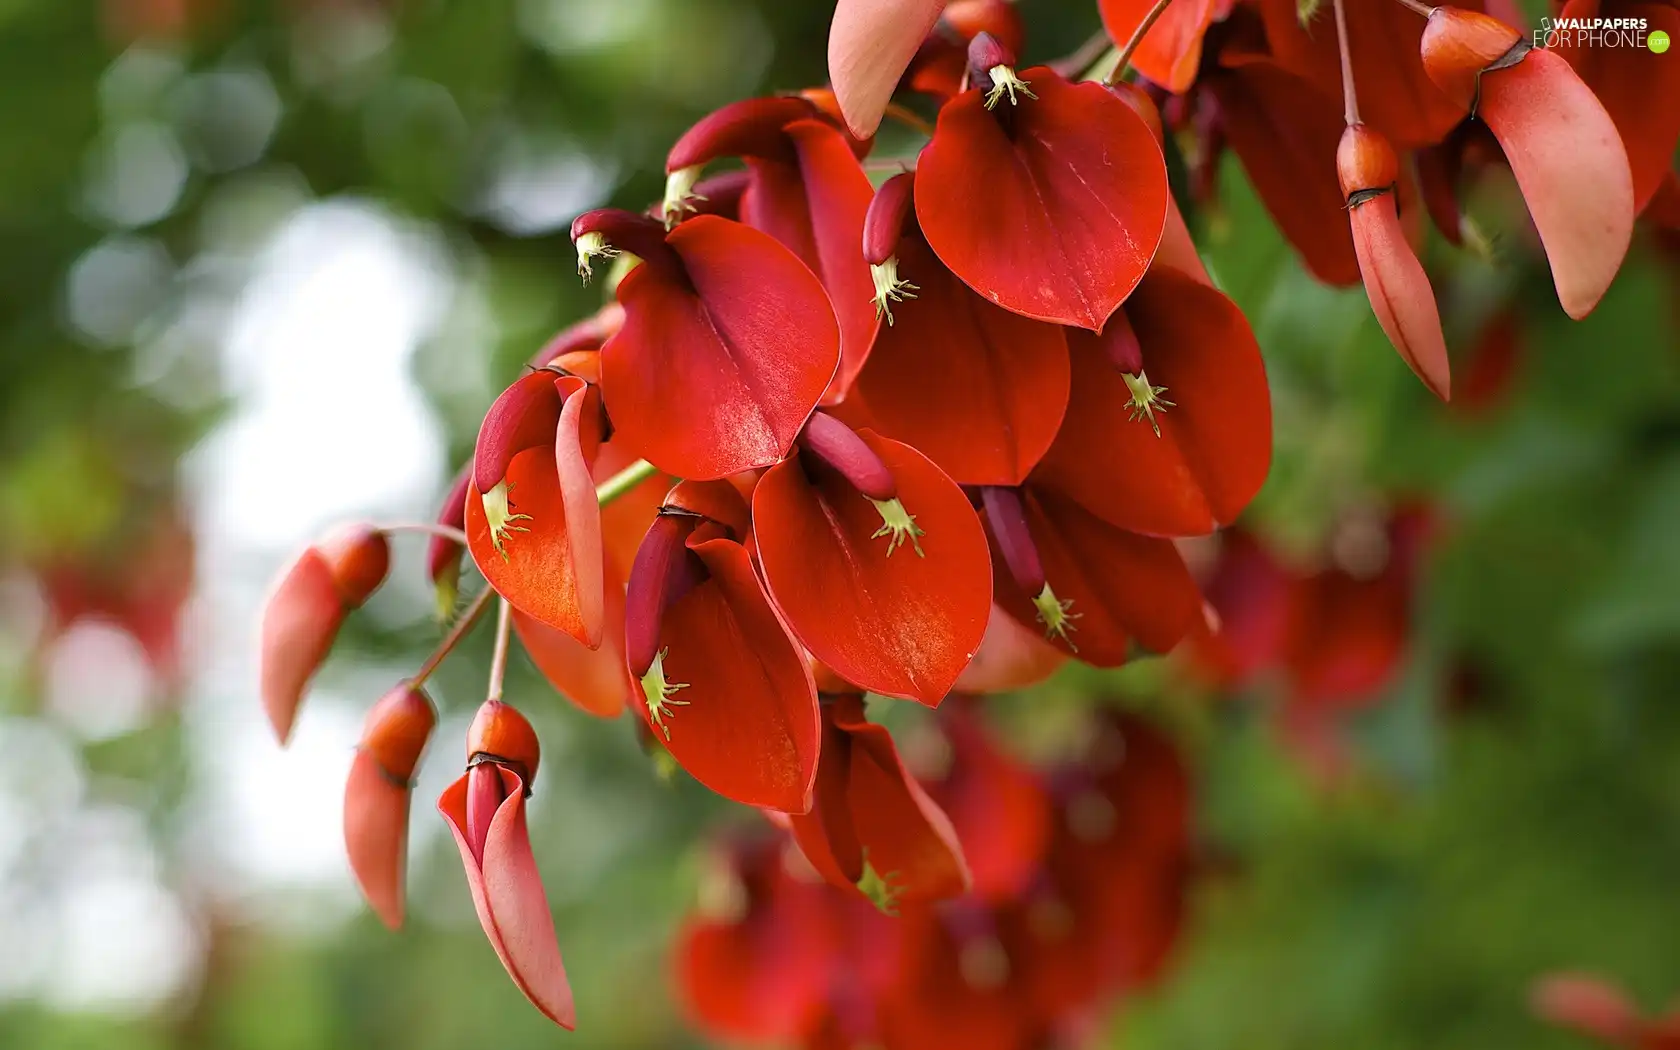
1059, 219
508, 896
955, 993
523, 417
814, 203
1249, 594
1286, 134
906, 838
901, 624
300, 620
1120, 584
997, 806
1172, 49
443, 555
376, 835
719, 378
745, 722
828, 835
549, 562
751, 127
1636, 85
1215, 443
1572, 168
977, 389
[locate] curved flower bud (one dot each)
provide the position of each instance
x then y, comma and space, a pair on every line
485, 810
304, 610
1051, 206
376, 796
728, 344
534, 528
1168, 429
871, 826
979, 390
714, 674
875, 560
870, 42
942, 61
1395, 282
443, 555
1562, 146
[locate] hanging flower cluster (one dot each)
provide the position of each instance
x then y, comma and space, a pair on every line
1602, 1010
834, 438
1078, 876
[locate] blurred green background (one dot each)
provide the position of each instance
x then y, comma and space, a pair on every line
263, 265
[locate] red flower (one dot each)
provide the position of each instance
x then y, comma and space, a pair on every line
534, 525
1562, 146
975, 388
728, 342
871, 827
1046, 197
995, 803
714, 674
1169, 428
376, 797
1089, 586
486, 813
1248, 596
805, 188
305, 609
875, 560
1600, 1009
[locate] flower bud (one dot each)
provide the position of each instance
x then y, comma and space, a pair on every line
376, 797
1365, 161
358, 556
397, 729
499, 734
1458, 45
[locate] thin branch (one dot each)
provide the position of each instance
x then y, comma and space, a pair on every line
498, 655
624, 481
462, 628
1350, 98
1137, 38
909, 119
453, 535
1416, 7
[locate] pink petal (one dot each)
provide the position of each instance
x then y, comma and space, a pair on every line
1400, 293
870, 43
376, 835
300, 620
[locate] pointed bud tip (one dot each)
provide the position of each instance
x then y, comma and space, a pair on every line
359, 556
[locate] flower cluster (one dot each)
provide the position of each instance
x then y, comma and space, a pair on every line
833, 438
1079, 875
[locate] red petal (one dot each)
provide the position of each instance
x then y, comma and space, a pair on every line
997, 806
718, 378
1177, 249
1346, 636
1569, 161
1057, 220
747, 725
1395, 95
977, 389
376, 835
592, 679
869, 44
895, 624
1215, 444
1121, 584
550, 565
828, 835
955, 993
508, 895
300, 620
1588, 1004
1400, 293
1286, 134
815, 205
1170, 52
524, 416
1636, 85
1249, 594
1011, 657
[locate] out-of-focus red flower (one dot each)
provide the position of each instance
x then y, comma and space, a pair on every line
1600, 1009
1248, 598
1171, 51
996, 804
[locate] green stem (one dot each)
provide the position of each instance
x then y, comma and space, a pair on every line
462, 628
624, 481
498, 655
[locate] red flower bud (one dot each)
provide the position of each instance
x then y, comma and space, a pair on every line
376, 797
499, 734
396, 730
1459, 45
304, 610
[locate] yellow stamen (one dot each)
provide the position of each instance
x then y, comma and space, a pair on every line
1146, 399
680, 195
882, 890
1053, 614
1005, 82
898, 525
658, 692
592, 246
889, 287
500, 517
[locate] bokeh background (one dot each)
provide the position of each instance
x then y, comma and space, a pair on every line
264, 264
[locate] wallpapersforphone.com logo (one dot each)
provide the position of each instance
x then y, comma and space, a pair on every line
1600, 32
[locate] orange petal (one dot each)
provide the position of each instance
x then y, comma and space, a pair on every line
1572, 168
870, 42
592, 679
